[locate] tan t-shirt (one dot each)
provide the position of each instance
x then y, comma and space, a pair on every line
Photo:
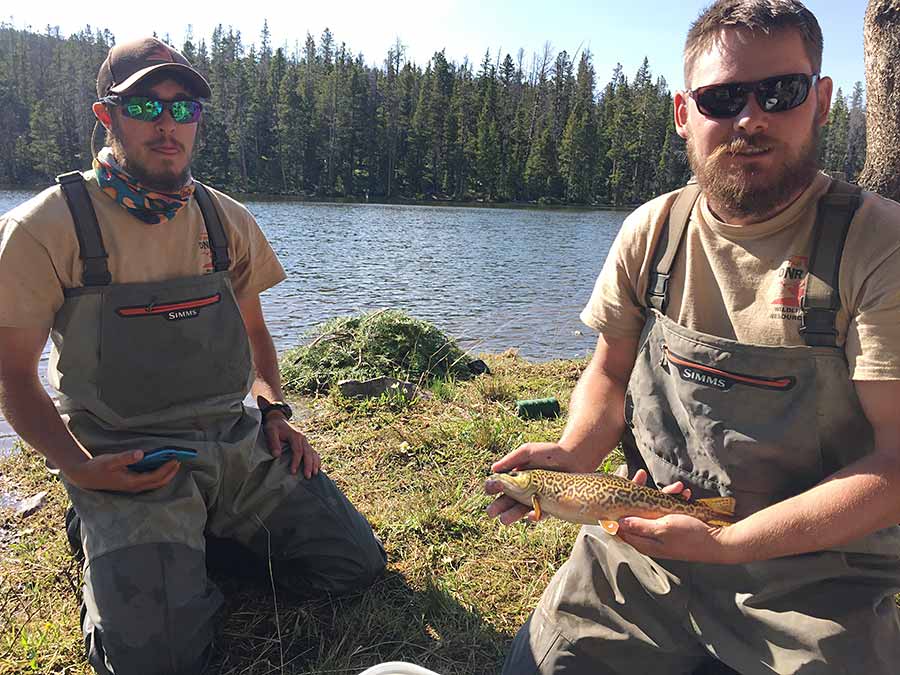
745, 282
39, 253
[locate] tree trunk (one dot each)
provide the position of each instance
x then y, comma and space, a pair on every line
881, 173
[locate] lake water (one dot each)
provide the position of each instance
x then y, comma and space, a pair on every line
494, 278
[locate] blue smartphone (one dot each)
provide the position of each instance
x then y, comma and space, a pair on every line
156, 458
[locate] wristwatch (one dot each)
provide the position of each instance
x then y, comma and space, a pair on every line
265, 407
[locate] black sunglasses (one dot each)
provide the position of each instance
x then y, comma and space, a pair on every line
774, 94
146, 109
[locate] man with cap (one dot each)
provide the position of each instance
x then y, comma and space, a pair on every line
148, 283
749, 348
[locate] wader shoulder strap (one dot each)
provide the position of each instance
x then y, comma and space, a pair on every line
668, 245
90, 241
821, 300
218, 242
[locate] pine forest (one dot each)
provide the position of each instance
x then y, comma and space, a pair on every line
320, 122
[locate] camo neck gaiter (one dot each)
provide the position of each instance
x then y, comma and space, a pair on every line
147, 205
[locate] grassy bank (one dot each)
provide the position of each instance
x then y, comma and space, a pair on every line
458, 584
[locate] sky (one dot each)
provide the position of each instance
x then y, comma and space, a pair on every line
614, 32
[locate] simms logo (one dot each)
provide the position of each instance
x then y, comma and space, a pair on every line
710, 376
703, 378
182, 314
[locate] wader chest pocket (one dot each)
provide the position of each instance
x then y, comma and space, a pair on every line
171, 346
171, 311
724, 380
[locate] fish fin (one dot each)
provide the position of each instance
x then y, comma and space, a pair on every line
536, 505
719, 523
610, 527
723, 505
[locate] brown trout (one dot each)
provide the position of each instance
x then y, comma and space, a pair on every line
601, 498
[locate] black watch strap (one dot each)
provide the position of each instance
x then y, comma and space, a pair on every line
265, 407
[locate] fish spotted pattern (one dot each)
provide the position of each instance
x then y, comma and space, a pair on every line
592, 498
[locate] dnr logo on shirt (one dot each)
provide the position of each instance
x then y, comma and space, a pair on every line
791, 284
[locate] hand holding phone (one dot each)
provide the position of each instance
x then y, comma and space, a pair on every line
156, 458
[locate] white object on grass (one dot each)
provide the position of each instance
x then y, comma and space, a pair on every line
397, 668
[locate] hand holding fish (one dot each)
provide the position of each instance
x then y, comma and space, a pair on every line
681, 537
528, 456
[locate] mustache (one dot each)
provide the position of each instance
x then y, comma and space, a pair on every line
741, 144
165, 141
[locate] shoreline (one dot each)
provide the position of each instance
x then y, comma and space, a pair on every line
392, 201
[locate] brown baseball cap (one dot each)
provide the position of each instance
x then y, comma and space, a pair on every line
130, 62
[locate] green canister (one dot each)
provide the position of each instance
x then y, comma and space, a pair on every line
537, 408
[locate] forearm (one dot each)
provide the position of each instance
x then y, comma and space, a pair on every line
267, 382
596, 416
31, 412
850, 504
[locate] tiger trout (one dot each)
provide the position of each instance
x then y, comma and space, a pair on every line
601, 498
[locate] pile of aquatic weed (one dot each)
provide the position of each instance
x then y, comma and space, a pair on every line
383, 343
458, 584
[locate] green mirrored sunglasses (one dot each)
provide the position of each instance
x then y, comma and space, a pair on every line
146, 109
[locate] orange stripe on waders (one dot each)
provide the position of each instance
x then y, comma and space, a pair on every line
769, 383
151, 309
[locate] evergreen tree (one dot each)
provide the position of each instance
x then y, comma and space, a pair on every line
672, 171
562, 86
311, 73
835, 147
461, 134
856, 134
489, 137
622, 135
577, 156
43, 142
437, 115
541, 171
421, 134
408, 154
292, 128
390, 118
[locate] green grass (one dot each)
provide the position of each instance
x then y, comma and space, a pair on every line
39, 581
458, 584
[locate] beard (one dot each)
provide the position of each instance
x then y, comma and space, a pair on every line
159, 180
747, 191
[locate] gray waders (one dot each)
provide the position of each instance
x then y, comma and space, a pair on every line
757, 423
149, 365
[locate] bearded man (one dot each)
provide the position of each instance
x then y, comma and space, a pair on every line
749, 347
148, 283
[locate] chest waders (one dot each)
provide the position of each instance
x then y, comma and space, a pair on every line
760, 424
154, 364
